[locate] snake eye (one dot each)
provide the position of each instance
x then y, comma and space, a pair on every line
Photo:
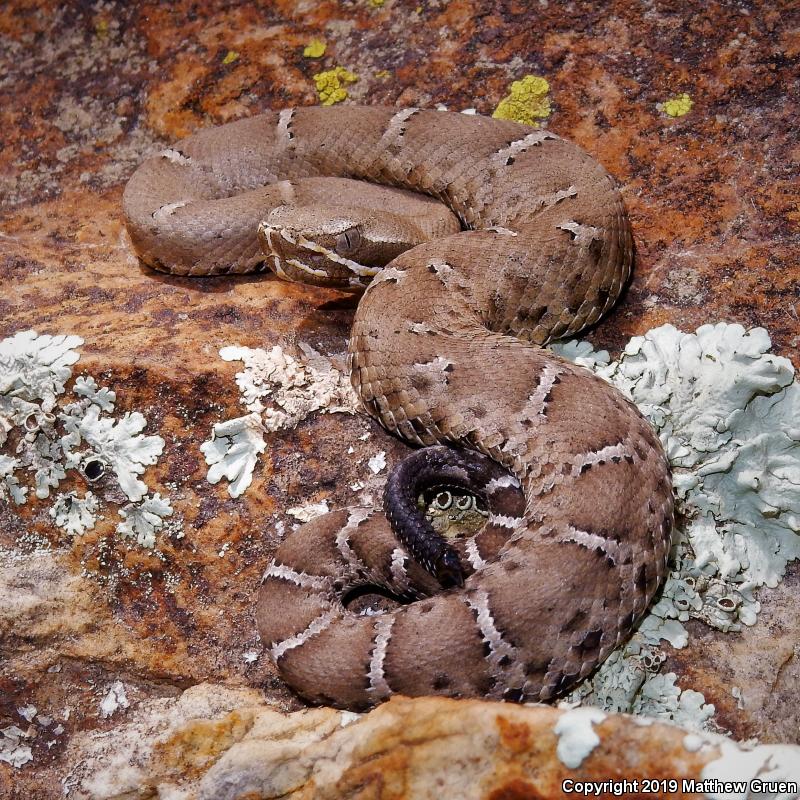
348, 241
443, 501
465, 502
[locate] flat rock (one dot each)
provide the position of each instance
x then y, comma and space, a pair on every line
213, 743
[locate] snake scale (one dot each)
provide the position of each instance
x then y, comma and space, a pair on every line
486, 239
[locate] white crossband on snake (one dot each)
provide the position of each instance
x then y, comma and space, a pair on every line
475, 241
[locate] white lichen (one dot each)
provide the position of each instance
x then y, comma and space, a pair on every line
86, 386
296, 388
576, 735
727, 413
233, 450
74, 514
141, 521
377, 462
279, 392
13, 750
115, 698
48, 440
309, 511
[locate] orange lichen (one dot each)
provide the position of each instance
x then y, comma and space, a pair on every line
199, 743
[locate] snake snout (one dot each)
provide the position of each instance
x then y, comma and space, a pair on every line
290, 259
448, 570
271, 241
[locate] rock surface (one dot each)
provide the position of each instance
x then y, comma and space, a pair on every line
96, 629
225, 744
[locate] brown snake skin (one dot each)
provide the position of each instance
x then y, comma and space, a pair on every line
446, 348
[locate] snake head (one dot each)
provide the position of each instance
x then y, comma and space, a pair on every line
448, 570
315, 245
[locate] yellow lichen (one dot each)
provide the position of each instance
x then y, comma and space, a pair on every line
678, 106
527, 101
314, 49
383, 73
377, 3
230, 57
330, 85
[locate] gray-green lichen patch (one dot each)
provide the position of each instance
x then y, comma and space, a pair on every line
75, 514
727, 413
629, 682
232, 451
141, 521
47, 437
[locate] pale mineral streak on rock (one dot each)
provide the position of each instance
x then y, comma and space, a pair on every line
48, 613
217, 743
43, 601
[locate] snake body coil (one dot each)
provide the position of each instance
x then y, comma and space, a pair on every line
445, 350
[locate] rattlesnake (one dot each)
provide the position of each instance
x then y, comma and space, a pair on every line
526, 240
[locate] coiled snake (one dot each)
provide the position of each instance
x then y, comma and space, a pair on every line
496, 239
